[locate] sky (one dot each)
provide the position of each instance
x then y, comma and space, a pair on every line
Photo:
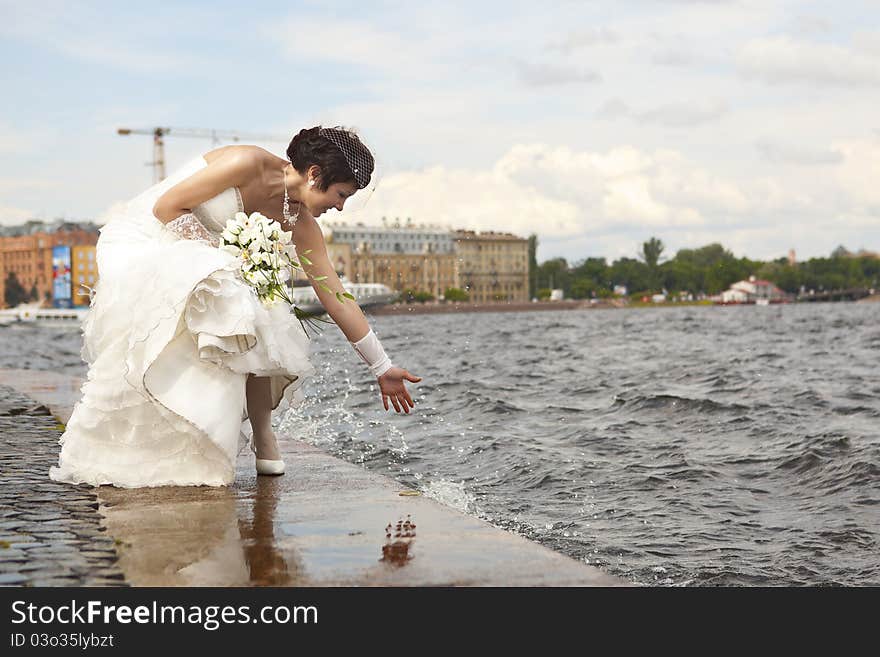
595, 125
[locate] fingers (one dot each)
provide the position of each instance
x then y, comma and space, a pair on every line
399, 399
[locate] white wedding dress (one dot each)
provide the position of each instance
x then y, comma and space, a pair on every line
171, 335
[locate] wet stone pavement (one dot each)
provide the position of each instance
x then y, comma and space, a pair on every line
326, 522
50, 533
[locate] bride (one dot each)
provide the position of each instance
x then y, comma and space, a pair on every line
180, 350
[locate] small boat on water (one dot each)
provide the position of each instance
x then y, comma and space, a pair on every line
32, 314
367, 295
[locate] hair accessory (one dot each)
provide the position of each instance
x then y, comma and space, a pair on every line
359, 159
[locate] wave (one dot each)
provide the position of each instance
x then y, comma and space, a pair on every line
676, 403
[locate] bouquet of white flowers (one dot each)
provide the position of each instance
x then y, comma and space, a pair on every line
262, 246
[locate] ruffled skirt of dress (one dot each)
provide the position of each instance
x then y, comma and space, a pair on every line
170, 337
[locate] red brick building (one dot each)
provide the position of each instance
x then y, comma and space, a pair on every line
30, 258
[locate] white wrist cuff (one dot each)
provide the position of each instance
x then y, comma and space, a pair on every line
371, 352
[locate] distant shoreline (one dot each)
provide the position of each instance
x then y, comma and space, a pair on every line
524, 306
460, 307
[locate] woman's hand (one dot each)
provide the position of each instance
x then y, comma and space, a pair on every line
391, 385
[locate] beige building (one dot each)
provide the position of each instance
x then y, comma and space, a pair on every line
489, 266
83, 272
493, 266
430, 272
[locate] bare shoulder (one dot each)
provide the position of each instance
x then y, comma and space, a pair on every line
230, 166
248, 159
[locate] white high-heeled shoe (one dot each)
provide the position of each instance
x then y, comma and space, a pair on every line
267, 466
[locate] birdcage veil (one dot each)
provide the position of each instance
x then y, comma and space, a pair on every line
363, 162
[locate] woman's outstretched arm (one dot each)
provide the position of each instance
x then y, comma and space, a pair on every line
308, 240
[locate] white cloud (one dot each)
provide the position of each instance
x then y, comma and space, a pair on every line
684, 114
579, 201
12, 215
352, 43
558, 192
859, 175
612, 108
670, 115
867, 42
502, 100
87, 32
484, 200
10, 185
780, 152
549, 74
811, 25
596, 36
783, 60
12, 143
674, 57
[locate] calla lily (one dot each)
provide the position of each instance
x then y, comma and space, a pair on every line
266, 253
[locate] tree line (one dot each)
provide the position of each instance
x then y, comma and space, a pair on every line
707, 270
14, 292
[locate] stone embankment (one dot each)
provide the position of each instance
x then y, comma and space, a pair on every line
50, 533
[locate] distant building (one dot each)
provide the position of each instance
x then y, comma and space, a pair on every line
26, 251
34, 226
492, 266
489, 266
751, 291
392, 237
432, 272
84, 273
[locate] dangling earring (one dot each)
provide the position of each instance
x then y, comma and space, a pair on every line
311, 182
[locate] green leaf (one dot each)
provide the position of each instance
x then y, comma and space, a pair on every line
320, 278
304, 259
349, 295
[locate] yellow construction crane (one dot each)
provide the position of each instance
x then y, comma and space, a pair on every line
158, 134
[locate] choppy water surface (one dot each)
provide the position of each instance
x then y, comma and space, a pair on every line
680, 446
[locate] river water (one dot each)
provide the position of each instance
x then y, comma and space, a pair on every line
672, 446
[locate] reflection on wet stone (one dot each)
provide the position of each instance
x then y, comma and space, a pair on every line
265, 562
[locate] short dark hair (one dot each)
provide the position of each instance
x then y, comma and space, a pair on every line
310, 148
